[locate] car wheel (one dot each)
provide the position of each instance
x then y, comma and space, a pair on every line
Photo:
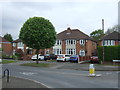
65, 60
57, 60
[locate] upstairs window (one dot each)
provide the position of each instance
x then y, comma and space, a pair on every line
70, 42
20, 44
108, 43
82, 42
58, 42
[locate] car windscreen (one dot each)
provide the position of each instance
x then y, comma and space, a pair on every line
60, 55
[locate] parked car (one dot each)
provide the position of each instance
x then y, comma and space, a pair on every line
94, 59
74, 58
40, 57
50, 57
47, 57
53, 57
63, 57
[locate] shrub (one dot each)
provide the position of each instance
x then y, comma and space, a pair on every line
110, 53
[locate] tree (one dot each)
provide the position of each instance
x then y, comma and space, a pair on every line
97, 34
8, 37
114, 28
38, 33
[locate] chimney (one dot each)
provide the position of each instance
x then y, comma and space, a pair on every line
68, 30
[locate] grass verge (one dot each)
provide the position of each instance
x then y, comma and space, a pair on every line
36, 65
8, 61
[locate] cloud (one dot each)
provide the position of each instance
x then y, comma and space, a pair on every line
83, 15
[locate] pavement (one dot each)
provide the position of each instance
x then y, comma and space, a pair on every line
85, 67
16, 82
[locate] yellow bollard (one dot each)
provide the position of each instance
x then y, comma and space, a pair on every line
91, 70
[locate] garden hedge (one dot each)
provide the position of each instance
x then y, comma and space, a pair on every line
110, 53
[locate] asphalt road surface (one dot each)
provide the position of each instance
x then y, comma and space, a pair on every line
64, 78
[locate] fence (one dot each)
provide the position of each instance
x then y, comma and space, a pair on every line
84, 58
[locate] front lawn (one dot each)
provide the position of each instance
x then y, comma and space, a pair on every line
8, 61
36, 65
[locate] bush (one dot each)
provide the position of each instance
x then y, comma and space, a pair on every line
110, 53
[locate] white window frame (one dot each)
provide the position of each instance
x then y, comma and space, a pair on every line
82, 42
14, 44
70, 51
58, 42
47, 51
82, 52
70, 42
57, 51
108, 42
20, 44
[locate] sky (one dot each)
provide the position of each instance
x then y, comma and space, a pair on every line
85, 15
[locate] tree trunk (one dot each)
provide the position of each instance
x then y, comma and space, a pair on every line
37, 55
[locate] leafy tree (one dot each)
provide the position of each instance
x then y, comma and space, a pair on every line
114, 28
8, 37
38, 33
97, 34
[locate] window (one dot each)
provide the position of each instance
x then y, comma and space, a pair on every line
70, 42
82, 42
108, 42
70, 51
29, 51
14, 44
57, 51
20, 44
47, 51
58, 42
82, 52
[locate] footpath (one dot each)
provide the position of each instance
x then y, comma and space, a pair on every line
20, 83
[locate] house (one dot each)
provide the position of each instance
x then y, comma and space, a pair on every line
73, 41
5, 46
70, 41
19, 47
111, 39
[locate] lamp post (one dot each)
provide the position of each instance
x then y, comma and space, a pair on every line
103, 40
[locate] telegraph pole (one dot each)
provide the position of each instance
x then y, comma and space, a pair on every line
103, 40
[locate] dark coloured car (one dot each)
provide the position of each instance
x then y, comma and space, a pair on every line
47, 57
50, 57
94, 59
53, 56
74, 58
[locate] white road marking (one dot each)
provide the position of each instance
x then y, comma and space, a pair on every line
27, 73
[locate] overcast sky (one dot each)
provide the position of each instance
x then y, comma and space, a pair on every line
85, 15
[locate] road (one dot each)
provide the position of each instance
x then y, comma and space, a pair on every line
64, 78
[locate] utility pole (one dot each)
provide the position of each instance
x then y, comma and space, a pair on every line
103, 40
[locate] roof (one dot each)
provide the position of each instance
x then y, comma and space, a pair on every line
18, 40
112, 36
72, 34
3, 39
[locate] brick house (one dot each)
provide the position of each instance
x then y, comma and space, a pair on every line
111, 39
73, 41
5, 46
70, 41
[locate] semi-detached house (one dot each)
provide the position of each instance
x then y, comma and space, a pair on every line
73, 41
70, 42
111, 39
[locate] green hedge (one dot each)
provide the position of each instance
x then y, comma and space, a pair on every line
111, 53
